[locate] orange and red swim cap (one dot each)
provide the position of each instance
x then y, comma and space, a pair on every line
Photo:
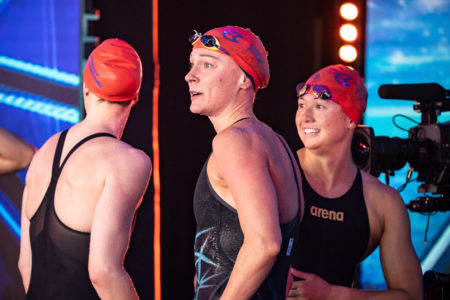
113, 71
244, 47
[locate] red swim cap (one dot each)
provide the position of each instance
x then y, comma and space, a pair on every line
244, 47
346, 87
113, 71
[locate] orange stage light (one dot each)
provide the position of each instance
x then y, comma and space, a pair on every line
348, 32
348, 53
349, 11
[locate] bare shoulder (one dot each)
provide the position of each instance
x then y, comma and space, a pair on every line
122, 157
232, 136
126, 170
43, 158
234, 148
49, 145
239, 140
381, 196
374, 185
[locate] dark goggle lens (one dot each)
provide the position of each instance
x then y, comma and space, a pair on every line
301, 89
208, 41
319, 91
322, 92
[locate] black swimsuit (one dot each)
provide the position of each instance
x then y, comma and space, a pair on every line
219, 238
333, 235
59, 253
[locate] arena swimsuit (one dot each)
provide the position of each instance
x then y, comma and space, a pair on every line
59, 253
219, 238
333, 235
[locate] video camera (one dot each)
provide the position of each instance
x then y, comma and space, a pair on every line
427, 148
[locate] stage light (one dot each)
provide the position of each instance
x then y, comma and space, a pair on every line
348, 53
8, 218
40, 105
349, 11
348, 32
52, 74
351, 31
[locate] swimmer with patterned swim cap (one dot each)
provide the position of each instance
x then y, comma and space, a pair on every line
247, 200
348, 212
83, 188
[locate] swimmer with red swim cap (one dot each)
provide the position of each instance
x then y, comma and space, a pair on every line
83, 188
348, 212
247, 201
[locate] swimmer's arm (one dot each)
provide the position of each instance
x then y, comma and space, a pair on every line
15, 153
112, 224
245, 171
401, 267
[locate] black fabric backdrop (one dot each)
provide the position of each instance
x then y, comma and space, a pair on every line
300, 37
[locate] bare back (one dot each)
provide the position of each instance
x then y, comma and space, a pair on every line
82, 179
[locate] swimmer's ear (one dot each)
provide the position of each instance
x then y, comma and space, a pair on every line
351, 124
246, 82
85, 90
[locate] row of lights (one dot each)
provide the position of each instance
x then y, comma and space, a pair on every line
348, 32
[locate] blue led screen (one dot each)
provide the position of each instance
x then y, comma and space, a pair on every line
44, 33
407, 42
39, 82
39, 73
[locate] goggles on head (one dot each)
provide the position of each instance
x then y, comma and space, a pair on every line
318, 91
212, 43
208, 41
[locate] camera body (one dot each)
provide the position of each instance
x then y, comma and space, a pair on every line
427, 148
432, 162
